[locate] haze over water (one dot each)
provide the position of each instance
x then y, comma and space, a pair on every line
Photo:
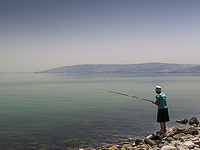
66, 110
38, 35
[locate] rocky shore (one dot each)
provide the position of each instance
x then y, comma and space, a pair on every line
174, 138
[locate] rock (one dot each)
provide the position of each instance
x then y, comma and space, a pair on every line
155, 148
197, 142
191, 130
103, 148
157, 136
167, 140
171, 131
162, 144
194, 120
168, 147
90, 148
138, 141
184, 138
183, 121
147, 146
141, 149
182, 147
119, 146
130, 139
150, 136
129, 148
177, 136
195, 125
176, 143
189, 144
114, 147
149, 141
126, 146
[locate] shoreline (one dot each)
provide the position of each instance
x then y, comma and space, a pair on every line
174, 139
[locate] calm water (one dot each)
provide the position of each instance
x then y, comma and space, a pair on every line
65, 111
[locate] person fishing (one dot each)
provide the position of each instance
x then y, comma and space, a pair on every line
162, 115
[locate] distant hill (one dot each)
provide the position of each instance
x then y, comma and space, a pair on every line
127, 68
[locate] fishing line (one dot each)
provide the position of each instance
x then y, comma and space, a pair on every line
125, 95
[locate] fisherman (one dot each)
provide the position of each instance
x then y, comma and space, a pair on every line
162, 115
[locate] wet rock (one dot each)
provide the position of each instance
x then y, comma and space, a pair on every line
119, 146
114, 147
168, 147
126, 146
149, 141
194, 120
183, 121
195, 125
130, 139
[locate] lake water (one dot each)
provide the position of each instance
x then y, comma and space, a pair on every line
65, 111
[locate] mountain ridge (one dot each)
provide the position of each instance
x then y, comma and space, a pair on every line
152, 67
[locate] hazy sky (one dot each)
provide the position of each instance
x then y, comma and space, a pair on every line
42, 34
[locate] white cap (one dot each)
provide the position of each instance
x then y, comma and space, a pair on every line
158, 89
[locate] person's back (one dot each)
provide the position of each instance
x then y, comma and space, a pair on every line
163, 101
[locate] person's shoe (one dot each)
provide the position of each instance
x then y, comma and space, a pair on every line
160, 132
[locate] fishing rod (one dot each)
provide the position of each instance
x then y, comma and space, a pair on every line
126, 95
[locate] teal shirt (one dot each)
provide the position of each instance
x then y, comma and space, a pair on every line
163, 101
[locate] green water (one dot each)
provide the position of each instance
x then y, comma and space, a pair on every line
65, 111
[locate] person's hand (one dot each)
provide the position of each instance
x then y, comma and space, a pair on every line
153, 102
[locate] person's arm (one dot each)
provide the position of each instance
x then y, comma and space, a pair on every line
157, 101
